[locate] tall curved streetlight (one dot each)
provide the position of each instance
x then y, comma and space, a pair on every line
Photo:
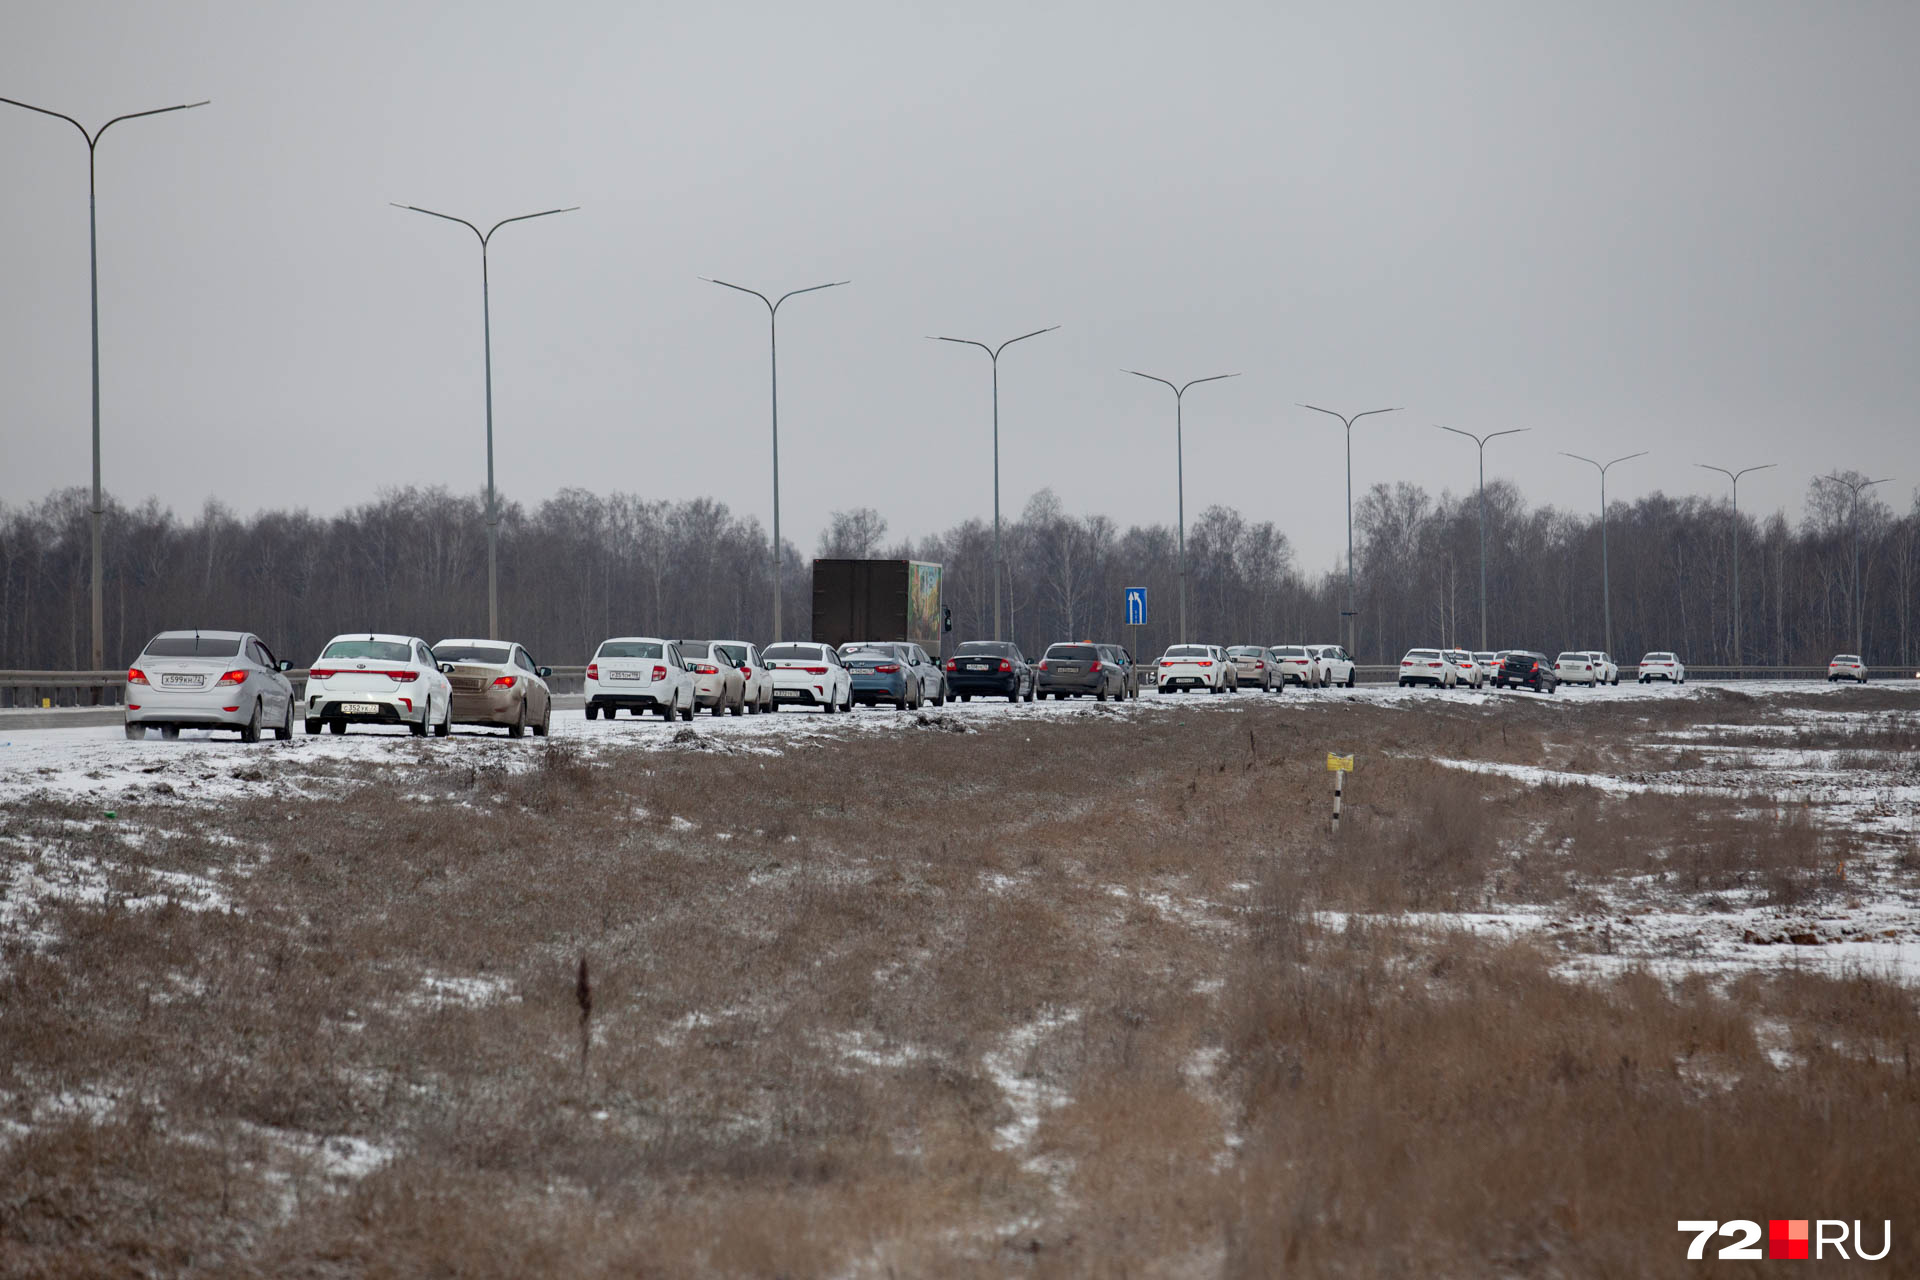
1180, 472
993, 354
773, 358
1606, 593
1859, 615
1481, 441
97, 512
1735, 477
1353, 631
486, 329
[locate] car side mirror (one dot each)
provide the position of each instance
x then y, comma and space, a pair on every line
543, 672
283, 665
446, 668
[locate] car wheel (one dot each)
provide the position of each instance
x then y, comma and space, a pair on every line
593, 712
719, 708
170, 731
518, 729
1101, 695
667, 712
546, 721
250, 731
313, 726
336, 726
419, 730
1029, 692
686, 712
445, 726
285, 732
740, 704
136, 732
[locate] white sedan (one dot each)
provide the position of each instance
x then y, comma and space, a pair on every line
1846, 666
639, 674
1427, 666
1296, 664
809, 675
1604, 667
1576, 666
1662, 666
1465, 670
208, 680
372, 678
1489, 664
746, 656
1196, 666
1336, 668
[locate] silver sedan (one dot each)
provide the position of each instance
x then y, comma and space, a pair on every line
209, 680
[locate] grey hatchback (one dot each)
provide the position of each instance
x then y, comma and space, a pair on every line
1075, 670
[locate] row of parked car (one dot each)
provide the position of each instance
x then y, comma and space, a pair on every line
1529, 668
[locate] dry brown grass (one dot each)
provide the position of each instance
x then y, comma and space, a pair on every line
808, 1005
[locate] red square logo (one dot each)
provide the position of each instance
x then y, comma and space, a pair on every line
1786, 1237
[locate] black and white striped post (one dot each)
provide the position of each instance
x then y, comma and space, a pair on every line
1339, 767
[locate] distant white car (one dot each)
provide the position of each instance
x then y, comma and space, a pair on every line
1576, 666
1489, 664
208, 680
1662, 666
639, 674
746, 656
1606, 670
718, 685
1427, 666
1846, 666
371, 678
1465, 670
1336, 668
1297, 664
1197, 666
809, 675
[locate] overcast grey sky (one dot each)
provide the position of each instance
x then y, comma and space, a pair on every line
1686, 227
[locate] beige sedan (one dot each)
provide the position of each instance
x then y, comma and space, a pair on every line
495, 683
718, 685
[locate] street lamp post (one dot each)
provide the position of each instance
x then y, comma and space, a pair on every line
1353, 619
97, 512
773, 359
1606, 591
1180, 473
1481, 441
1735, 477
486, 330
1859, 614
993, 353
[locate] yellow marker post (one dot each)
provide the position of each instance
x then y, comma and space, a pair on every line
1339, 767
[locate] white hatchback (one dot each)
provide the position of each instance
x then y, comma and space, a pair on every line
370, 678
639, 674
1336, 667
809, 675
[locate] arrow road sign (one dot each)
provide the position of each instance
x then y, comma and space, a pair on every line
1136, 606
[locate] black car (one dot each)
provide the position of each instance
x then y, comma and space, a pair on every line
1077, 670
1524, 668
993, 668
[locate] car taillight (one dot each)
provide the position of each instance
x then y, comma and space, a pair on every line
815, 671
1259, 666
232, 677
1433, 664
885, 668
1204, 662
746, 673
1043, 664
321, 673
503, 682
705, 669
659, 673
952, 665
593, 671
403, 676
1093, 666
1004, 665
136, 676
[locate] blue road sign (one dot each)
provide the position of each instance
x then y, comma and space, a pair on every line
1136, 606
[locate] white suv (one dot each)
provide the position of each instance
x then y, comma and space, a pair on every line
370, 678
1336, 668
639, 673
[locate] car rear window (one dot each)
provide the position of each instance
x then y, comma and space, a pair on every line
997, 648
1572, 657
693, 646
493, 654
1188, 651
193, 647
1485, 657
1291, 651
1658, 657
631, 649
1073, 652
791, 651
1423, 653
1246, 651
737, 652
379, 650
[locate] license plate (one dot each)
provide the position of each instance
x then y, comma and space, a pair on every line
623, 675
786, 695
359, 708
1068, 671
976, 666
182, 682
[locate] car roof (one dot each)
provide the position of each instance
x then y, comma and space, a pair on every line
368, 635
505, 644
203, 632
635, 640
